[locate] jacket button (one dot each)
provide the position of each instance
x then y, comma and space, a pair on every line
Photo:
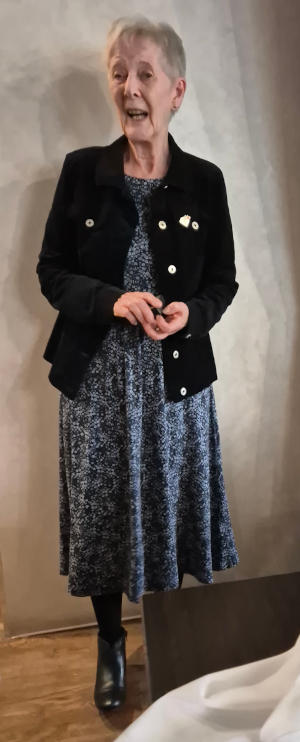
195, 225
183, 390
89, 222
172, 268
189, 335
162, 224
175, 353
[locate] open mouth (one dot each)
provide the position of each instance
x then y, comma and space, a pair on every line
137, 116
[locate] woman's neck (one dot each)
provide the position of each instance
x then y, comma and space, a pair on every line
143, 160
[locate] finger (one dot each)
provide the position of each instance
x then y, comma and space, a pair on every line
153, 333
153, 300
170, 327
157, 335
162, 323
171, 308
131, 317
148, 315
142, 311
136, 311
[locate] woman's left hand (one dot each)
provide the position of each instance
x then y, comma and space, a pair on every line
178, 314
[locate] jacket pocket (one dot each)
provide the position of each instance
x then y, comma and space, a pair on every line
71, 352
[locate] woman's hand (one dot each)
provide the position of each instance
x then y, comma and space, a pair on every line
178, 314
134, 306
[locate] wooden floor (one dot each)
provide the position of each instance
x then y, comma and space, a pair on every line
47, 685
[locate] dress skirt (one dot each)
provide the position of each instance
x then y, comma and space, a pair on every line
141, 487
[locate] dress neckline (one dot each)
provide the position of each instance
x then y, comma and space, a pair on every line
147, 180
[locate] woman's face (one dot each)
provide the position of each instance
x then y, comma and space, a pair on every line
137, 80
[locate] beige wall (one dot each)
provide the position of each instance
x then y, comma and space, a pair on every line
241, 110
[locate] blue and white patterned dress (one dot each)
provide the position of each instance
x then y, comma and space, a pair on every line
141, 488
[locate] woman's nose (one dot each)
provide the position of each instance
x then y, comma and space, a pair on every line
131, 85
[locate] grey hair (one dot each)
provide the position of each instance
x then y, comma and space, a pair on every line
162, 34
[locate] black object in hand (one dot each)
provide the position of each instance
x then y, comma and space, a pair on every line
157, 310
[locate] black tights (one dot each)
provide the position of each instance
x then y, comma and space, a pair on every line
108, 609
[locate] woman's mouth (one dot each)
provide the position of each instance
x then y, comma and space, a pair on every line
137, 115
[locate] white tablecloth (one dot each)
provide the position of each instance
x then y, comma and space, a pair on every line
257, 702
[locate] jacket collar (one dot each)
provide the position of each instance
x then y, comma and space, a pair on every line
110, 165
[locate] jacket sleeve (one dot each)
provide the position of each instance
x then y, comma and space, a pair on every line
218, 285
81, 298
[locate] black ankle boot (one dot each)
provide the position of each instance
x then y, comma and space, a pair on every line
111, 672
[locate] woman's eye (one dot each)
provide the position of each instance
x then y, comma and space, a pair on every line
118, 75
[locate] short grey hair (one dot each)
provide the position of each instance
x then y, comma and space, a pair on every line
162, 34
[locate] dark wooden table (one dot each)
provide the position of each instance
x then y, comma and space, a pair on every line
198, 630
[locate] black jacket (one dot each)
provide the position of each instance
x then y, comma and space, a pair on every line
87, 235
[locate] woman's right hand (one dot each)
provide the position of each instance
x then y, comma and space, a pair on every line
134, 306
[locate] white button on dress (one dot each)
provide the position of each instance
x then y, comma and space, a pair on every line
162, 224
172, 268
183, 391
89, 222
175, 353
195, 225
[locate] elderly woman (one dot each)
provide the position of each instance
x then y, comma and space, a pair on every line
138, 258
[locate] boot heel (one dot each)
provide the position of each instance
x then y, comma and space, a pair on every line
110, 686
